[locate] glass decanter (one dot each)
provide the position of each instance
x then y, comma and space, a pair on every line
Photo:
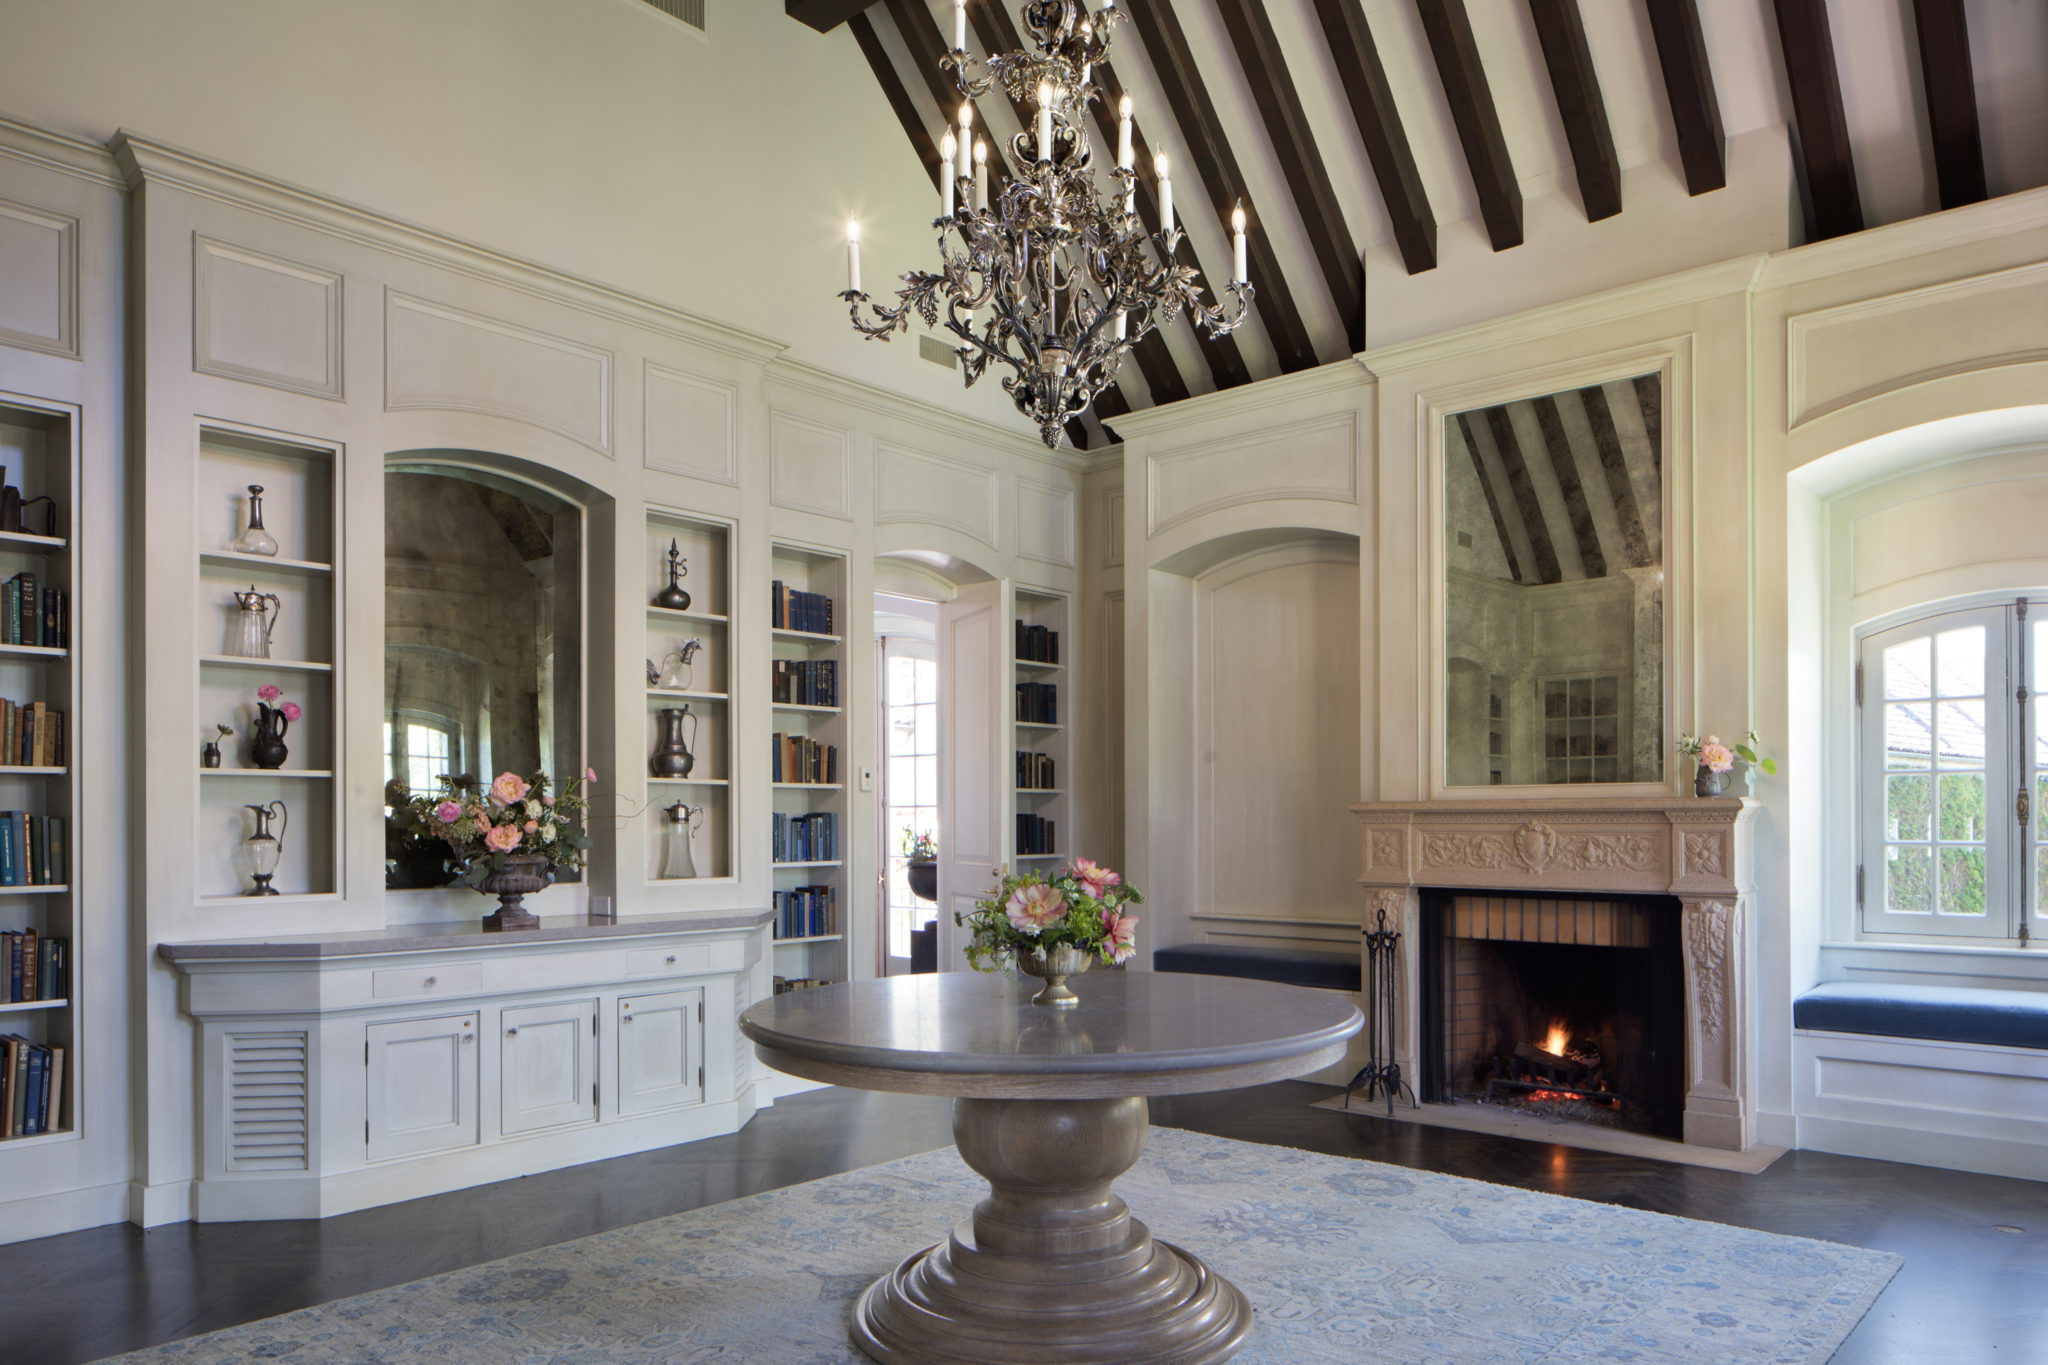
255, 540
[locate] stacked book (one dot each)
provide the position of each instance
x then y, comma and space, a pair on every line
31, 1087
31, 735
1034, 835
799, 758
33, 849
1034, 772
810, 612
807, 682
1038, 703
806, 912
32, 615
806, 838
33, 967
1037, 645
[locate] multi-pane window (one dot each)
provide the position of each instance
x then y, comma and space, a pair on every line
911, 779
418, 755
1582, 728
1954, 759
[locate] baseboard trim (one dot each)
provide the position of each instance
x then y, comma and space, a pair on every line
48, 1215
775, 1086
1919, 1147
152, 1206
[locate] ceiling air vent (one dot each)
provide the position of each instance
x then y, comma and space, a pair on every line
938, 352
690, 12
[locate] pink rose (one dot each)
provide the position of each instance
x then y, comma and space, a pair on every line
1034, 906
509, 789
1095, 879
447, 812
291, 710
501, 838
532, 825
1120, 937
270, 691
590, 774
1715, 756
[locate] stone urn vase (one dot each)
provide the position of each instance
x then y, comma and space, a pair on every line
522, 875
1054, 965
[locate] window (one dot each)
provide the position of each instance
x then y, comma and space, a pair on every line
1954, 760
1582, 724
418, 755
911, 779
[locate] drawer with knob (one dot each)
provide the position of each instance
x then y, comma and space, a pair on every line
416, 983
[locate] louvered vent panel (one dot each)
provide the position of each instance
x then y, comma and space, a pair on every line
690, 12
267, 1102
938, 352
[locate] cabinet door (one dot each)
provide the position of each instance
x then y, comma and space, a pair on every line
423, 1078
661, 1050
547, 1066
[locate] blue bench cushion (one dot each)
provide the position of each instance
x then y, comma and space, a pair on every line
1949, 1014
1289, 966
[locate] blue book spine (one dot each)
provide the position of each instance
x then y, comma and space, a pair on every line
10, 875
38, 1084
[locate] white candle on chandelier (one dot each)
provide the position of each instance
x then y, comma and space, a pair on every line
1124, 155
1165, 195
1237, 227
853, 255
981, 177
959, 25
1045, 120
1122, 324
966, 138
946, 150
1087, 33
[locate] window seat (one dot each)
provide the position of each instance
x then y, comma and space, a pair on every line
1288, 966
1980, 1015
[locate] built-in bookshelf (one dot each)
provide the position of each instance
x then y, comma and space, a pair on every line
1039, 721
689, 671
808, 827
42, 933
296, 596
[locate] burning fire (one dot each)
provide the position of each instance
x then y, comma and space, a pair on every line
1558, 1039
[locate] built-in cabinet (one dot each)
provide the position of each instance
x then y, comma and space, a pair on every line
806, 608
421, 1092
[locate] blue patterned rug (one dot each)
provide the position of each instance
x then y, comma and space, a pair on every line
1344, 1262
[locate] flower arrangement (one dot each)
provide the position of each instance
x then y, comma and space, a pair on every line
268, 694
1710, 753
516, 816
1082, 905
920, 848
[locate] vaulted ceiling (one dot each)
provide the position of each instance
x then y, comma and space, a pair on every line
1359, 132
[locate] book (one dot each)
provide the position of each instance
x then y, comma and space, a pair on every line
37, 1089
10, 875
17, 1097
53, 1102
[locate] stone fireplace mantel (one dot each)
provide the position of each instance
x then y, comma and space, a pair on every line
1696, 850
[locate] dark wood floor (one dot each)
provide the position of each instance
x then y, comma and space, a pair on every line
1974, 1288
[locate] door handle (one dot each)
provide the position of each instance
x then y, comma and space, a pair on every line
512, 1032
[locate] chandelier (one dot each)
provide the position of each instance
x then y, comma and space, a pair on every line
1050, 279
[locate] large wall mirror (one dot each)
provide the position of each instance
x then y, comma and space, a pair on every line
483, 631
1554, 627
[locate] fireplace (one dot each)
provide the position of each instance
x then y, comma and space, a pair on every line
1570, 1009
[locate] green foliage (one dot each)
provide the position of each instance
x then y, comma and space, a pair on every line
1083, 905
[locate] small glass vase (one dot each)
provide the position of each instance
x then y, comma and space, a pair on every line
255, 540
1054, 965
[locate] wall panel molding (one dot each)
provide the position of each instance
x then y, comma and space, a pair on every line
1838, 357
1113, 528
436, 356
265, 319
690, 425
38, 280
911, 485
808, 466
1316, 459
1045, 522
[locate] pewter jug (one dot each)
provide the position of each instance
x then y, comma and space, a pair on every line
250, 628
672, 756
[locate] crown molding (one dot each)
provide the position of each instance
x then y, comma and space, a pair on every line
808, 378
1281, 390
1986, 220
143, 161
53, 151
1724, 278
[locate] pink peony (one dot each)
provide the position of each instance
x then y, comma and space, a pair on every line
291, 710
447, 812
1095, 879
270, 691
1715, 756
501, 838
1034, 907
1120, 936
509, 789
532, 825
590, 774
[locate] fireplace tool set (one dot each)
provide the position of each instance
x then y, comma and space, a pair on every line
1381, 1075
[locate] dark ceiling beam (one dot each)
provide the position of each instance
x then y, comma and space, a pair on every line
996, 33
1951, 100
1166, 46
1472, 111
1528, 511
898, 97
824, 15
1500, 523
1301, 163
1833, 205
1689, 89
1564, 466
1379, 127
1620, 487
1562, 34
920, 34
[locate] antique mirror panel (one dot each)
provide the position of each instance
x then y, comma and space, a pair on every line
1554, 594
483, 626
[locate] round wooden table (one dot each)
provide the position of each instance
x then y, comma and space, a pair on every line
1048, 1106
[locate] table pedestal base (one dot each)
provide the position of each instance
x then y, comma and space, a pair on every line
1051, 1267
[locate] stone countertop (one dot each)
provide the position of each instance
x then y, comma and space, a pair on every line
460, 935
984, 1024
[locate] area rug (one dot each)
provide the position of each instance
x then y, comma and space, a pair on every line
1496, 1121
1344, 1262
